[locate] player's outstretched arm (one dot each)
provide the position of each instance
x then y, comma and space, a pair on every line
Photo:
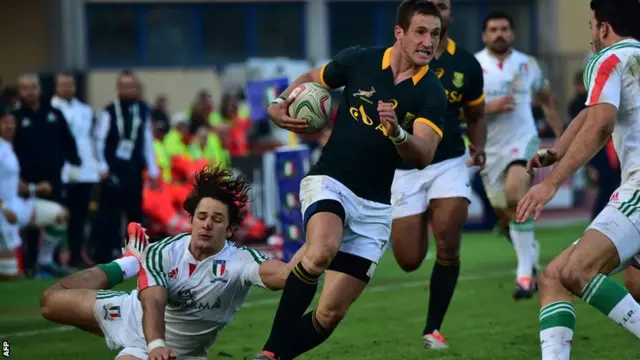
273, 274
593, 135
550, 110
153, 300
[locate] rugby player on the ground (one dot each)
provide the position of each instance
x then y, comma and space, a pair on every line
189, 286
392, 108
612, 240
512, 80
442, 188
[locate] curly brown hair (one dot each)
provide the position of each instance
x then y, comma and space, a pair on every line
219, 184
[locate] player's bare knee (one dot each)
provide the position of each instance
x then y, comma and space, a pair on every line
448, 243
49, 304
318, 257
330, 317
574, 276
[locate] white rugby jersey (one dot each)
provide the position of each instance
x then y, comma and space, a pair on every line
9, 180
613, 77
521, 77
203, 296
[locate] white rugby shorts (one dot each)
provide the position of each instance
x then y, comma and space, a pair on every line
367, 225
412, 190
494, 172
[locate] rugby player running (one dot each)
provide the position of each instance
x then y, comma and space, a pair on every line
392, 108
612, 240
512, 80
442, 187
189, 286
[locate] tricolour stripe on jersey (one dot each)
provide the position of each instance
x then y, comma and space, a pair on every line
589, 69
604, 73
154, 260
257, 256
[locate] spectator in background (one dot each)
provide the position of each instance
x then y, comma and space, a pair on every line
237, 138
159, 113
77, 194
10, 97
124, 144
42, 143
580, 97
203, 112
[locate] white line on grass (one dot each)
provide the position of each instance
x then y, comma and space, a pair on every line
273, 301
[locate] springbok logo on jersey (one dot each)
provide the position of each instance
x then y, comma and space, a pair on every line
458, 79
219, 267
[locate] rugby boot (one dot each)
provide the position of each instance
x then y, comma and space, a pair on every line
138, 241
525, 287
435, 340
266, 355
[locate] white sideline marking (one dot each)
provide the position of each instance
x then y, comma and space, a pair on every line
258, 303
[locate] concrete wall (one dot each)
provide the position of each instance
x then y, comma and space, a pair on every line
23, 38
180, 86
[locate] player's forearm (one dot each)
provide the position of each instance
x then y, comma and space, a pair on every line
304, 78
552, 115
562, 144
153, 320
493, 107
25, 189
417, 151
588, 141
477, 127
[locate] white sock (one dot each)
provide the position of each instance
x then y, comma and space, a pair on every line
536, 253
627, 314
129, 265
522, 237
50, 241
557, 321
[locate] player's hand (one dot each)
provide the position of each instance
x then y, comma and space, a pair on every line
533, 202
162, 353
542, 158
279, 113
11, 217
506, 103
43, 188
478, 157
388, 119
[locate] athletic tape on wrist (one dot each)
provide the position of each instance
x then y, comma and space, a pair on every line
277, 101
401, 138
156, 344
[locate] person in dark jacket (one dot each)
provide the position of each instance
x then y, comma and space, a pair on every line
124, 143
42, 143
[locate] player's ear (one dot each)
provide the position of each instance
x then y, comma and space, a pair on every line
230, 231
398, 32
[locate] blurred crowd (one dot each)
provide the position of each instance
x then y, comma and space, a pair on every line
97, 169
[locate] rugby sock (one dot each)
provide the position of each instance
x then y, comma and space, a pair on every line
557, 321
613, 300
53, 235
522, 238
297, 294
444, 278
114, 273
129, 265
308, 334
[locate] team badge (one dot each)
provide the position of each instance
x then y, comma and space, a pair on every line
439, 72
219, 267
408, 119
111, 312
458, 79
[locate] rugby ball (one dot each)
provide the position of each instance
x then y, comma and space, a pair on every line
313, 104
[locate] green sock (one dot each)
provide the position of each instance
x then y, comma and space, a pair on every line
113, 272
557, 321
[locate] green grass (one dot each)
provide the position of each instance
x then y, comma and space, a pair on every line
385, 323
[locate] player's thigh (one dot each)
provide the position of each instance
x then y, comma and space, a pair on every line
75, 307
493, 180
324, 216
46, 212
516, 181
409, 191
339, 291
409, 240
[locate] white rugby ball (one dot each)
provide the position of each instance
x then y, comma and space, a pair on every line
313, 104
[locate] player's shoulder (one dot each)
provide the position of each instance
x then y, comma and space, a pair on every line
170, 243
243, 254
